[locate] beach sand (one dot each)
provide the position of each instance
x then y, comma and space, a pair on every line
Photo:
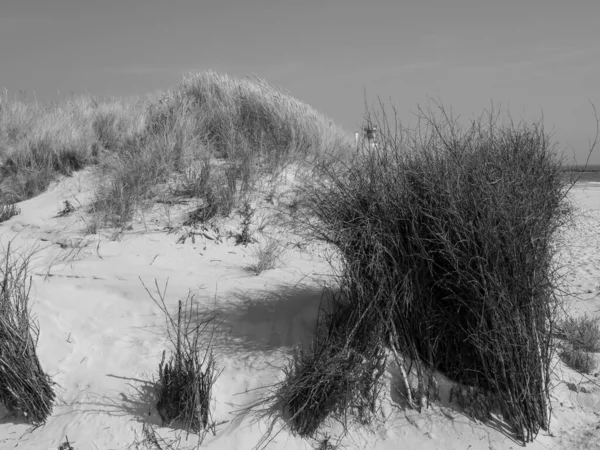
102, 336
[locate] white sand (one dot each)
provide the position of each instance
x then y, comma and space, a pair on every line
102, 336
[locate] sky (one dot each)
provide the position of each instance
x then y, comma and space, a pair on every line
530, 57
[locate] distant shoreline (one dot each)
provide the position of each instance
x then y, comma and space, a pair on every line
583, 168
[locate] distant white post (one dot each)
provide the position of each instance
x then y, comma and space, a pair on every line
366, 137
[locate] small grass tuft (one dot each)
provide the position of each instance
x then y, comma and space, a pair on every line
582, 336
267, 255
186, 377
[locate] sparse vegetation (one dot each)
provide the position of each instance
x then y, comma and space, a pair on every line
24, 387
582, 339
267, 255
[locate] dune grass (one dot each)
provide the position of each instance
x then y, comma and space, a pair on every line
187, 376
40, 142
446, 238
24, 387
211, 137
445, 234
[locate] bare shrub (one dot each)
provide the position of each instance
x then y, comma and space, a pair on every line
24, 387
187, 376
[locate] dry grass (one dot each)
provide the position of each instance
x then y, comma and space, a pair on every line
187, 376
267, 255
333, 379
40, 142
211, 138
446, 239
24, 387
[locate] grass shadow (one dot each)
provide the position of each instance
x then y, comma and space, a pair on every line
268, 320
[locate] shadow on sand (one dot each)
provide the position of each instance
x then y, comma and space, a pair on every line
268, 320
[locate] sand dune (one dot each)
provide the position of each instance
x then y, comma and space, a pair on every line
102, 336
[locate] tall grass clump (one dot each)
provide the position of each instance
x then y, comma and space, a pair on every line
446, 240
187, 376
24, 387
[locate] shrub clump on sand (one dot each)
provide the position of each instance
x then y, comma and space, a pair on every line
446, 241
24, 387
186, 378
582, 339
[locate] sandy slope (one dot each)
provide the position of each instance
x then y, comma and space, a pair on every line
102, 336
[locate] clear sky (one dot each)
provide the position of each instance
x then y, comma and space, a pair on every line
528, 56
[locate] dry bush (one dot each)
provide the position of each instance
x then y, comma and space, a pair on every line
446, 239
582, 336
24, 387
187, 376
